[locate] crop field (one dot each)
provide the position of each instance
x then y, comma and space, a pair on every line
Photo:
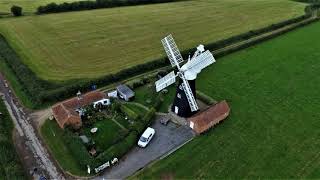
89, 44
28, 6
273, 129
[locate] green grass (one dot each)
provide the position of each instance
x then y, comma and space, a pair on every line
108, 133
137, 109
53, 136
273, 129
146, 92
90, 44
10, 165
29, 6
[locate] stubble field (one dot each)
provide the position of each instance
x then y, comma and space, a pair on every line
89, 44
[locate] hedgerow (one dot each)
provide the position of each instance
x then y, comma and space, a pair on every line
10, 165
98, 4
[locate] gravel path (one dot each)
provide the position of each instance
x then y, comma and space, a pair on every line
27, 132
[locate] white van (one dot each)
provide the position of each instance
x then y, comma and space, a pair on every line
146, 137
104, 102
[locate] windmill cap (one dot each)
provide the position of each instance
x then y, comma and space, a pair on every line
200, 48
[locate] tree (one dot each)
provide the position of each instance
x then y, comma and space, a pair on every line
16, 10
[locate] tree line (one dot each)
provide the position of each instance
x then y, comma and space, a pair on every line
98, 4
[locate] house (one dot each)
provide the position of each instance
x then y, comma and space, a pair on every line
67, 112
125, 92
208, 118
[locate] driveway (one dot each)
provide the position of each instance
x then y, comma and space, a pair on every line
166, 139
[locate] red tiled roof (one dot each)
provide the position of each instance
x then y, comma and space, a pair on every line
210, 117
65, 113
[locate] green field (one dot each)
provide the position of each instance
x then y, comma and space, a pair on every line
273, 129
29, 6
90, 44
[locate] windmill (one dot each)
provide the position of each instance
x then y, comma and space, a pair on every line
184, 104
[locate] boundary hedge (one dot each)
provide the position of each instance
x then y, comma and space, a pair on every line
44, 93
98, 4
10, 164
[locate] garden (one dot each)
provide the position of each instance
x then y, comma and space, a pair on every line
107, 132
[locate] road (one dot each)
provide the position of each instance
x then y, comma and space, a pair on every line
34, 151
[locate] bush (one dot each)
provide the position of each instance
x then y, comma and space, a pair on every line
158, 101
16, 10
148, 117
138, 127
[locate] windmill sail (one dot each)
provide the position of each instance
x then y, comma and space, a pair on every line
200, 62
191, 100
172, 51
165, 81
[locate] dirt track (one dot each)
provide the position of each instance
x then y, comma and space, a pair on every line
34, 156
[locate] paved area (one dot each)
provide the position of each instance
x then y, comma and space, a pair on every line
166, 139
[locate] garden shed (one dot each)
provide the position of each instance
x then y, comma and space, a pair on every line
125, 92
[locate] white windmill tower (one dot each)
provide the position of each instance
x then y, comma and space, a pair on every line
185, 103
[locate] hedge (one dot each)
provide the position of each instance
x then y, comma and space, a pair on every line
98, 4
10, 165
205, 98
75, 145
118, 150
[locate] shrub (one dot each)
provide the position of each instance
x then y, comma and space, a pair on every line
158, 101
16, 10
138, 127
149, 116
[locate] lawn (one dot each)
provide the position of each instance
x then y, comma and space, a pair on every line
90, 44
273, 129
108, 133
54, 138
29, 6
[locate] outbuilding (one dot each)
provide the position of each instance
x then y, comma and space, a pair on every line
125, 92
208, 118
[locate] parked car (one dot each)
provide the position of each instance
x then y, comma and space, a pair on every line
146, 137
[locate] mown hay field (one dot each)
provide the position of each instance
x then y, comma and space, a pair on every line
89, 44
273, 129
29, 6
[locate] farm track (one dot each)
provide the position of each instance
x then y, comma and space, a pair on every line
27, 135
265, 35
